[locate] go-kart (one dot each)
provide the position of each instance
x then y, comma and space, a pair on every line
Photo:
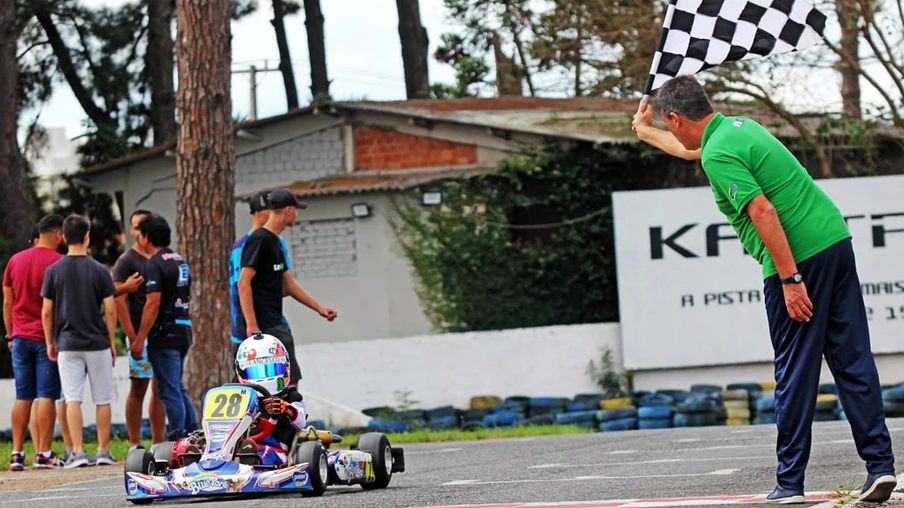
229, 412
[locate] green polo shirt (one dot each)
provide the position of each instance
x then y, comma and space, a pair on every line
743, 160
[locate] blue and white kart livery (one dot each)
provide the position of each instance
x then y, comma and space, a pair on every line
229, 412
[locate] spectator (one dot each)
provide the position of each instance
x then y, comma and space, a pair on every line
130, 307
814, 305
260, 212
166, 324
265, 279
74, 290
35, 375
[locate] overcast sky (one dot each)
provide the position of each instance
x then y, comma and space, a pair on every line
364, 57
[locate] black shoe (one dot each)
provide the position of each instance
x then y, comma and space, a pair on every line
782, 495
878, 487
247, 453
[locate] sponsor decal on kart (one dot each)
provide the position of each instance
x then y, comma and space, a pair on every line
271, 479
300, 478
150, 484
208, 484
131, 487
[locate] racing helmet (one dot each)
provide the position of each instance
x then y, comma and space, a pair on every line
262, 360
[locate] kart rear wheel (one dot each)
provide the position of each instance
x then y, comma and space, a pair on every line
164, 453
312, 453
377, 445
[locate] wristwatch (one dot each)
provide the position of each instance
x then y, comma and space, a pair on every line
795, 278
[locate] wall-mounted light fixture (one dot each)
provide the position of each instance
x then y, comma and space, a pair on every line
361, 210
432, 197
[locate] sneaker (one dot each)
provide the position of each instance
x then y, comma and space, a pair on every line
80, 460
782, 495
17, 462
66, 456
878, 488
106, 459
52, 462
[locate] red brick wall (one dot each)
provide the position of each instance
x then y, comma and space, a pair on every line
385, 149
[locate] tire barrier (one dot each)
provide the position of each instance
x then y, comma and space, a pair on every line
608, 415
694, 419
620, 424
484, 402
654, 399
707, 389
894, 409
655, 416
616, 403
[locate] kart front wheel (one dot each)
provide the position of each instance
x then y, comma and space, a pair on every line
377, 445
311, 452
141, 461
164, 453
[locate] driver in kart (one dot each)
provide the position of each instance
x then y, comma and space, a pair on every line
262, 360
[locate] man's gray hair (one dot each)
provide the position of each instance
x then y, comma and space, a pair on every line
682, 95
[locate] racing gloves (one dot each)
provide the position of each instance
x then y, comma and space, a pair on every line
277, 407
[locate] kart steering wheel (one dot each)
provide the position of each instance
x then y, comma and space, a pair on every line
266, 426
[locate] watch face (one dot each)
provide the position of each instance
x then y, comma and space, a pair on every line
798, 277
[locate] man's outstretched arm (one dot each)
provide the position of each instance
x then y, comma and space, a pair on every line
642, 124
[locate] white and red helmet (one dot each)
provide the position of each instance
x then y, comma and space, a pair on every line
262, 360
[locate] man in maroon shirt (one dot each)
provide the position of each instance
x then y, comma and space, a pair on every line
37, 377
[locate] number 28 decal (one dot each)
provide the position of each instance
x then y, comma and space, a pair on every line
227, 404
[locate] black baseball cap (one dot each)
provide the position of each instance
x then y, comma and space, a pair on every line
259, 202
281, 198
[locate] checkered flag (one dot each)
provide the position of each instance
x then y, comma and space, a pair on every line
699, 34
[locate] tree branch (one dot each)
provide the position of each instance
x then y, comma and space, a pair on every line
95, 113
824, 160
31, 47
896, 118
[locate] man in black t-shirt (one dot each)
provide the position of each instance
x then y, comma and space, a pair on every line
264, 280
129, 307
166, 323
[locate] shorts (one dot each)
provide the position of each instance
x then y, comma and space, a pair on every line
139, 369
285, 336
37, 377
98, 365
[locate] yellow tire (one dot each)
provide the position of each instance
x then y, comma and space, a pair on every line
485, 401
735, 395
616, 403
738, 421
827, 397
767, 386
738, 414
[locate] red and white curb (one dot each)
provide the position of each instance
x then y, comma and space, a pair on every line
812, 497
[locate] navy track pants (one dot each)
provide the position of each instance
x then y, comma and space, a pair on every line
839, 331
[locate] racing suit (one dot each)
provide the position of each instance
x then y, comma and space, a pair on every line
288, 410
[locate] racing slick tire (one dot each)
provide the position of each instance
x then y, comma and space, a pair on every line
377, 445
312, 453
163, 452
140, 461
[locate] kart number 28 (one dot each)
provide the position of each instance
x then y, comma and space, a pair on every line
226, 405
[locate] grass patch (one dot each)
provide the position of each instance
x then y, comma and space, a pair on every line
440, 436
846, 494
118, 447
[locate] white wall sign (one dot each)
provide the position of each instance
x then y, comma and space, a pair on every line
689, 295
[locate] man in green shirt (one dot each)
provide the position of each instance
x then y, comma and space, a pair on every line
812, 291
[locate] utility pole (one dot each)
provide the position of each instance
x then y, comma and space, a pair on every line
252, 77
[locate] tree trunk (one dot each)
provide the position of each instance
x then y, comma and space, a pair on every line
19, 212
415, 44
285, 59
320, 84
159, 62
205, 192
848, 17
64, 61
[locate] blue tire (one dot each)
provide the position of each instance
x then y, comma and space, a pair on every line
620, 424
764, 419
504, 419
653, 412
765, 404
578, 406
693, 406
609, 415
895, 394
540, 420
444, 422
432, 414
708, 389
694, 420
656, 399
654, 423
572, 418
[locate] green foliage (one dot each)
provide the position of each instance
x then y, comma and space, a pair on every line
475, 272
471, 69
106, 241
612, 383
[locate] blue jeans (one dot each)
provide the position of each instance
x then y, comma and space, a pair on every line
36, 376
168, 365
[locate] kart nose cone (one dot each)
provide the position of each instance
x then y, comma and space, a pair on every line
210, 464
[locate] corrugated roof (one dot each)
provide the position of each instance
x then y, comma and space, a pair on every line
377, 181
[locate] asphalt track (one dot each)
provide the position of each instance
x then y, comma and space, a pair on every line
711, 466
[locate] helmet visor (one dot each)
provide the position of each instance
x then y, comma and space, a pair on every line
264, 371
